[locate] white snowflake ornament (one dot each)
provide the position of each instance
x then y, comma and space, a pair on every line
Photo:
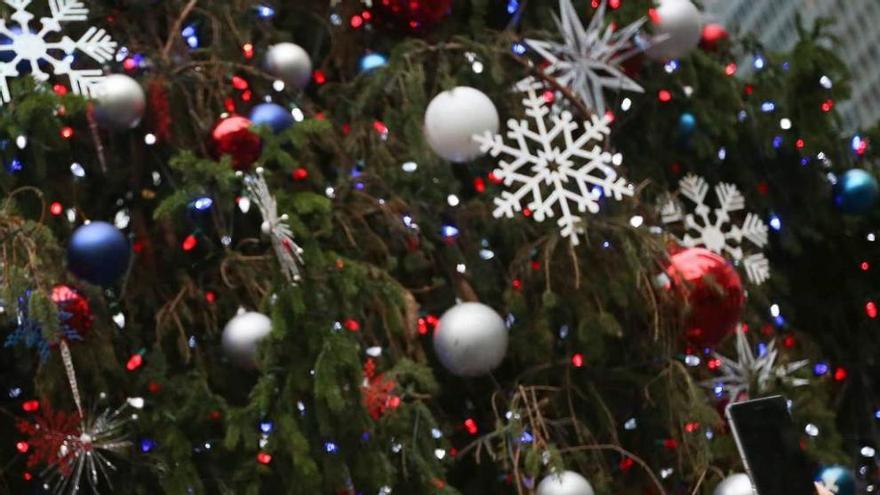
551, 170
588, 59
32, 45
276, 226
715, 230
749, 374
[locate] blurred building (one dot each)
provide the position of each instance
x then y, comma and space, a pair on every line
857, 26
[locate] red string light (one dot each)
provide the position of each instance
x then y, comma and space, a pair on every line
865, 266
319, 77
827, 105
471, 426
248, 50
239, 83
692, 427
56, 208
626, 464
67, 132
730, 69
352, 325
479, 185
31, 406
664, 96
871, 309
134, 362
300, 173
840, 374
189, 243
264, 458
577, 360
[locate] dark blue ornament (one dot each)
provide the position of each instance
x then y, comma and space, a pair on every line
98, 253
856, 192
838, 479
687, 124
372, 61
273, 116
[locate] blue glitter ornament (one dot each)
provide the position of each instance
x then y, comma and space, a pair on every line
856, 192
98, 253
838, 479
273, 116
687, 124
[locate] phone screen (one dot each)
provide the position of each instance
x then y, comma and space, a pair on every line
769, 444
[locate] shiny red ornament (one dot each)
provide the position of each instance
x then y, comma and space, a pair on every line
712, 35
412, 16
712, 292
77, 313
233, 136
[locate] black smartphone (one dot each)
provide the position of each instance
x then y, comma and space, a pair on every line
769, 445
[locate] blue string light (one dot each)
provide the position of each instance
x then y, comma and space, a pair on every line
768, 106
266, 427
775, 223
449, 231
147, 445
512, 6
265, 11
519, 48
820, 369
777, 142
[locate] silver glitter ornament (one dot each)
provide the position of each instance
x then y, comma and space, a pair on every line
565, 483
120, 103
242, 336
290, 63
470, 339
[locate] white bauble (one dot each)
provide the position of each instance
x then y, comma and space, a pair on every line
565, 483
470, 339
454, 117
120, 103
290, 63
735, 484
678, 27
242, 335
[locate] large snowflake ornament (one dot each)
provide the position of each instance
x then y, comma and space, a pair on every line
30, 46
551, 170
588, 60
748, 373
715, 230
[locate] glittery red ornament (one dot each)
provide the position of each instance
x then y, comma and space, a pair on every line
712, 35
233, 136
77, 315
712, 291
412, 16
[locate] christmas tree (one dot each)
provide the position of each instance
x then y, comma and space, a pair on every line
446, 246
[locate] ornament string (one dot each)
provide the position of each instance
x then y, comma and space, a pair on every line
287, 251
71, 376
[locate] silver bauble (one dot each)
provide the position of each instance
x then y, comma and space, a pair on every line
678, 28
454, 117
735, 484
290, 63
120, 103
242, 335
565, 483
470, 339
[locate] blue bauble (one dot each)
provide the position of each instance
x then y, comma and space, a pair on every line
687, 124
856, 192
273, 116
838, 479
372, 61
98, 253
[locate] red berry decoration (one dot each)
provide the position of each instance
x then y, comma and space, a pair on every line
233, 136
413, 16
77, 315
712, 292
712, 35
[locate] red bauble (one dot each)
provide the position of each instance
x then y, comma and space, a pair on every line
233, 136
712, 291
712, 35
77, 313
413, 16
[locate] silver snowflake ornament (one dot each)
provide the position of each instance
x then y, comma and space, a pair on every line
748, 373
275, 226
588, 60
553, 170
715, 229
39, 47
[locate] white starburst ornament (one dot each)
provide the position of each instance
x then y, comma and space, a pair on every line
275, 226
715, 230
749, 374
588, 59
39, 47
551, 169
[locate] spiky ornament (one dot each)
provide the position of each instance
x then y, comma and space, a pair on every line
588, 60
